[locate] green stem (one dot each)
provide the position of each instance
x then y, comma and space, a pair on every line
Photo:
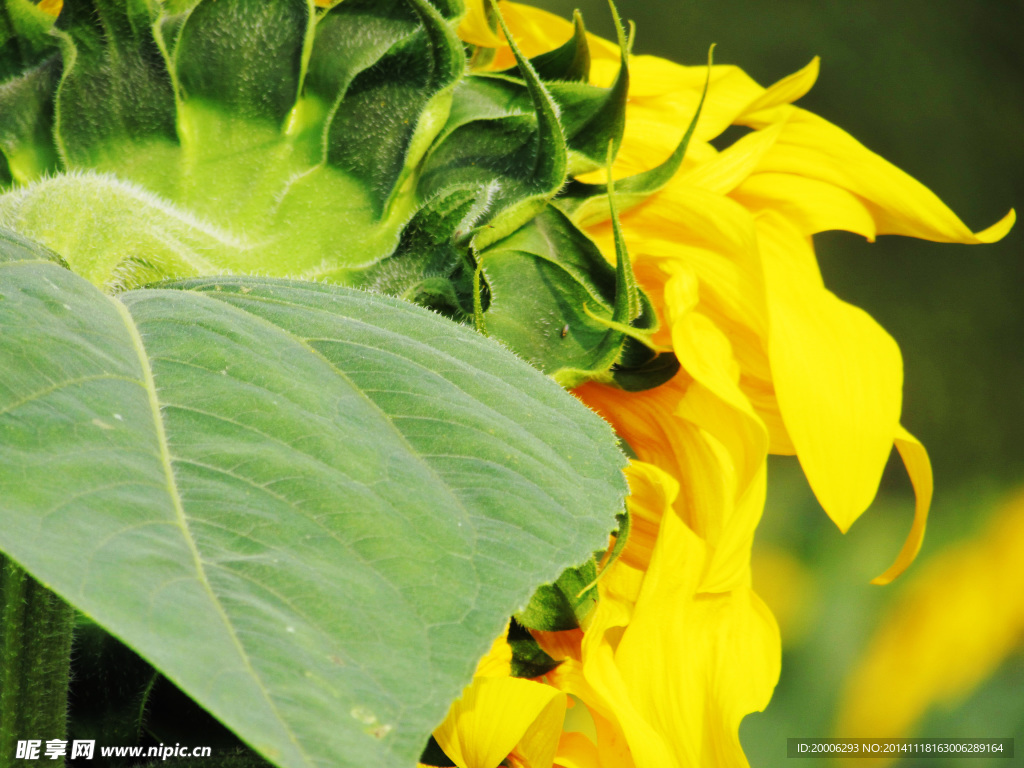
35, 661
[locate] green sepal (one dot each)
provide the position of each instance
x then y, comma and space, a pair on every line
26, 122
247, 58
393, 110
587, 204
564, 604
594, 123
655, 371
568, 62
542, 280
431, 267
556, 301
547, 166
528, 658
24, 36
364, 30
115, 96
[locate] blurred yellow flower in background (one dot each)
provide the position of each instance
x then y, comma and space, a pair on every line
958, 618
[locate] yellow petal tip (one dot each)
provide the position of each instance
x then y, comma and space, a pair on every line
999, 230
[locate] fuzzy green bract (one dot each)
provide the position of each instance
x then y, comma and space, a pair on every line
311, 507
143, 140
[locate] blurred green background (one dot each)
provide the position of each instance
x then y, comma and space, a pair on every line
937, 87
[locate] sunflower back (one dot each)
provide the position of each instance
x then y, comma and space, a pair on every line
360, 144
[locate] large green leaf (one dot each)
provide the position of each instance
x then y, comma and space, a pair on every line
311, 507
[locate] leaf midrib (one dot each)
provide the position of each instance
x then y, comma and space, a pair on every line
182, 521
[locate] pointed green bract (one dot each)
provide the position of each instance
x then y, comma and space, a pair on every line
312, 508
588, 203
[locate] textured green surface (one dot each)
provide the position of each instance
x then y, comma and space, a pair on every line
312, 508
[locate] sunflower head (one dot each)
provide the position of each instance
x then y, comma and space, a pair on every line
358, 144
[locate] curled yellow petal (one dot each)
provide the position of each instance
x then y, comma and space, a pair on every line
811, 205
497, 715
812, 147
919, 467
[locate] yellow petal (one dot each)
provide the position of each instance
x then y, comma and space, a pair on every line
647, 421
475, 29
811, 205
612, 746
498, 714
705, 353
688, 666
761, 394
498, 660
955, 621
785, 91
915, 458
647, 746
652, 492
812, 147
838, 376
674, 91
704, 218
577, 751
732, 166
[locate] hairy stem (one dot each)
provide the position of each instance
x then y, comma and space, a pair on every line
35, 660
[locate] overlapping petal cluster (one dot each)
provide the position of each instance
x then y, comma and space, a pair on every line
680, 647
